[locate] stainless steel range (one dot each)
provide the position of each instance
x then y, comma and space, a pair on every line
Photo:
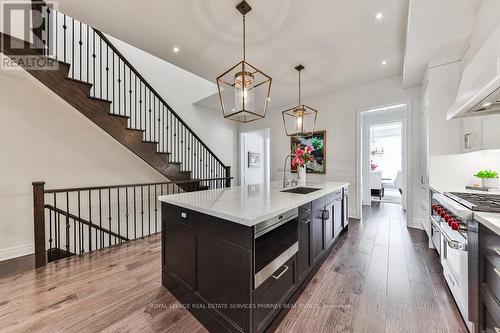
477, 201
454, 234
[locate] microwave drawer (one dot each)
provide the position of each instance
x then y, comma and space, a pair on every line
270, 296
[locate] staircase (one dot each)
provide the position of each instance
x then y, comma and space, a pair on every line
96, 79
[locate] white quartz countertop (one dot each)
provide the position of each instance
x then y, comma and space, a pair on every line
250, 204
490, 220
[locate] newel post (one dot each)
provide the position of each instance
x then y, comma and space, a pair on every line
228, 176
39, 223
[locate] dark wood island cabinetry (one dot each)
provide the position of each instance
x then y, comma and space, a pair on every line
239, 278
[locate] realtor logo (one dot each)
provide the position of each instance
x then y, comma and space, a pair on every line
25, 35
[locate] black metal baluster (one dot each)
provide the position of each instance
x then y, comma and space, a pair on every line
142, 210
88, 55
149, 105
48, 32
135, 104
80, 43
156, 211
67, 224
149, 210
118, 210
126, 210
90, 220
98, 232
113, 82
109, 216
72, 48
56, 242
107, 72
100, 67
50, 236
101, 234
64, 40
124, 91
80, 230
130, 94
119, 88
93, 62
140, 104
135, 215
56, 28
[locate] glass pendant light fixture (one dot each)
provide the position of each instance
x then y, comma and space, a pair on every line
301, 119
243, 89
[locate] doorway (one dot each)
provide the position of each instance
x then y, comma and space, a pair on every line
383, 153
255, 157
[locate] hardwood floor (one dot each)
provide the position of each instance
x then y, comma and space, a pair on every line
380, 277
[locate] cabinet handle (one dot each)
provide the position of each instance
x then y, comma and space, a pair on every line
306, 221
305, 210
497, 330
497, 251
497, 271
276, 277
325, 214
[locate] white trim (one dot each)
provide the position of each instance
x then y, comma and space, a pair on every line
353, 214
267, 158
416, 224
408, 124
16, 251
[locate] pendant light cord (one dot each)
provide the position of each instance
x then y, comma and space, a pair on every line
299, 90
244, 39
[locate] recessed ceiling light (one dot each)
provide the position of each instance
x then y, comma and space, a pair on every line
379, 16
384, 62
176, 49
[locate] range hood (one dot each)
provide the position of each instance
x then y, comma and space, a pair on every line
482, 98
479, 91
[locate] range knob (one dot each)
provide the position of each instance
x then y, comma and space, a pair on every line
455, 225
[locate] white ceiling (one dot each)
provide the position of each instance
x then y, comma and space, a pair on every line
436, 30
339, 42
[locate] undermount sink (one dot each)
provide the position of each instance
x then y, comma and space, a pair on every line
301, 190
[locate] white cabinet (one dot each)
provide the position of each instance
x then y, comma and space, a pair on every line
439, 92
479, 133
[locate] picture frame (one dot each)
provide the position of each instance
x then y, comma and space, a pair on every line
253, 160
318, 142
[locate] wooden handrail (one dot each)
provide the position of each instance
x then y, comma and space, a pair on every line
105, 187
90, 224
146, 83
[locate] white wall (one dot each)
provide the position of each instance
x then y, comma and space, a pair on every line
338, 116
181, 89
254, 142
42, 138
454, 172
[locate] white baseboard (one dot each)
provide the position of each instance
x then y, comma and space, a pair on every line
16, 251
353, 214
416, 223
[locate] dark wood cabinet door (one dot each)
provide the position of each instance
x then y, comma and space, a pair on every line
337, 217
317, 234
328, 214
180, 251
304, 255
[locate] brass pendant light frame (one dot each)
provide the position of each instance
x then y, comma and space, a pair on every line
244, 69
300, 110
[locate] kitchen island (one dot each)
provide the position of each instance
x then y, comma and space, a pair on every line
238, 257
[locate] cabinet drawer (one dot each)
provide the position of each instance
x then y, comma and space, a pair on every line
489, 307
492, 276
272, 294
490, 242
489, 323
177, 214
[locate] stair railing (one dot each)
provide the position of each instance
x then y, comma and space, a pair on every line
74, 221
95, 60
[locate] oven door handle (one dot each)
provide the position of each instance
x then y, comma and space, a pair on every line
451, 243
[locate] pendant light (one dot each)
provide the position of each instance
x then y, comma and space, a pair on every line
243, 89
301, 119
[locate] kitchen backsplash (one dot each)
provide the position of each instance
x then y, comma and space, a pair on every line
454, 171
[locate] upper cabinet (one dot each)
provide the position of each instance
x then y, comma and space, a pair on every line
438, 94
480, 133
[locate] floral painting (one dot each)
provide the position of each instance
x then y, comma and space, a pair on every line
317, 144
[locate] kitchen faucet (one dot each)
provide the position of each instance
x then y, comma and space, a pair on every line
284, 169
